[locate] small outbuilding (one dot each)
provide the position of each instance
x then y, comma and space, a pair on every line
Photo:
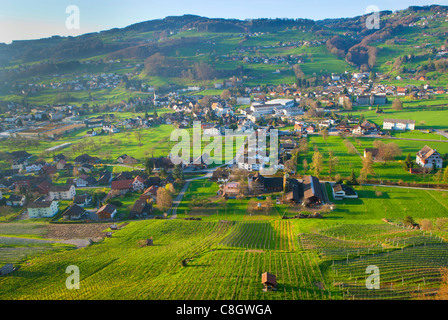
269, 281
6, 269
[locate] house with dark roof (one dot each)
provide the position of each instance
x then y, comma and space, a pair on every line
152, 181
342, 191
105, 178
106, 212
312, 191
75, 212
260, 184
125, 159
295, 195
141, 208
16, 200
20, 155
83, 200
85, 158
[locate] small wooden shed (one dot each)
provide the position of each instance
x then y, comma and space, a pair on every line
6, 269
146, 242
269, 281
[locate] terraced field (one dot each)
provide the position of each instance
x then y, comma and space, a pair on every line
189, 260
409, 261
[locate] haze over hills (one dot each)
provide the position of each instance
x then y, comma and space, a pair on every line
174, 50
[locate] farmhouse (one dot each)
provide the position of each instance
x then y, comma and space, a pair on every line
105, 178
83, 200
141, 208
125, 159
429, 158
296, 193
85, 158
260, 184
42, 209
341, 191
107, 211
231, 190
65, 192
312, 191
122, 186
138, 183
75, 212
398, 124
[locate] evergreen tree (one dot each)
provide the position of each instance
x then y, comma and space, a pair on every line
353, 178
408, 162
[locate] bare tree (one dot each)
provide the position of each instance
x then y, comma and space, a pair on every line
317, 163
164, 199
367, 166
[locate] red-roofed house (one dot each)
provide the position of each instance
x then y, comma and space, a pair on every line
122, 186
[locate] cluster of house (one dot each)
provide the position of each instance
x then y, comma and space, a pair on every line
289, 59
307, 192
36, 179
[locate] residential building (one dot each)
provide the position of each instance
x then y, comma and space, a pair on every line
429, 158
42, 209
107, 212
75, 212
62, 192
398, 124
341, 191
16, 200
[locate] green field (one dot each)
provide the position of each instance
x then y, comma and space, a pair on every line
223, 257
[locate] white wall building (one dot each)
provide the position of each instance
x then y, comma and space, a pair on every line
428, 158
43, 209
398, 124
66, 192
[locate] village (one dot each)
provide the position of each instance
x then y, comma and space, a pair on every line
294, 113
193, 158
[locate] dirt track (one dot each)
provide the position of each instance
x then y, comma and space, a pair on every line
77, 231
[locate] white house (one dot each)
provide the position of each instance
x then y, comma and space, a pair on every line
341, 191
138, 183
33, 167
398, 124
428, 158
43, 209
16, 200
65, 192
